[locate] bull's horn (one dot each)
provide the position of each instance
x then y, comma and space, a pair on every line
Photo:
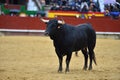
46, 21
61, 22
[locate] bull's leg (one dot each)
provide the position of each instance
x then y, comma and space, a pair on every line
60, 63
60, 57
84, 51
91, 52
68, 61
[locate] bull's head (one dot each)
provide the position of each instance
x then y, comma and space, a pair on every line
53, 26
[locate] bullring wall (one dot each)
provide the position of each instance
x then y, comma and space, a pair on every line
100, 24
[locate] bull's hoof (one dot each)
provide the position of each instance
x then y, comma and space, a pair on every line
60, 70
85, 68
90, 68
67, 70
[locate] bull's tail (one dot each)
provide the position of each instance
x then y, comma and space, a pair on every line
94, 58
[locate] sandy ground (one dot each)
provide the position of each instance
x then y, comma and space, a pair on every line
34, 58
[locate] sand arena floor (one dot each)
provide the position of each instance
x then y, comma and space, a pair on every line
34, 58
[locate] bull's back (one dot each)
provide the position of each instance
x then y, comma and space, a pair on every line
90, 33
88, 29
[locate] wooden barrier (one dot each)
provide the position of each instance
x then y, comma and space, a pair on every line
100, 24
25, 23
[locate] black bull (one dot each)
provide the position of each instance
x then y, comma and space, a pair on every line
67, 39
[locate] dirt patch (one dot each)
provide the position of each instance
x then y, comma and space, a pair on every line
34, 58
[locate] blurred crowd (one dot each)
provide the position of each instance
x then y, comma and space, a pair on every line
75, 5
111, 9
81, 5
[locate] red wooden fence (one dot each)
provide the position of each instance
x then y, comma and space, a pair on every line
100, 24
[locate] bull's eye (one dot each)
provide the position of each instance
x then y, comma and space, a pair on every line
59, 27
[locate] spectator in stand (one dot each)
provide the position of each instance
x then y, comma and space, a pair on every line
55, 7
63, 2
115, 13
83, 3
84, 9
78, 2
107, 12
118, 5
47, 2
71, 3
77, 5
93, 6
63, 5
54, 1
118, 1
73, 8
66, 8
59, 2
